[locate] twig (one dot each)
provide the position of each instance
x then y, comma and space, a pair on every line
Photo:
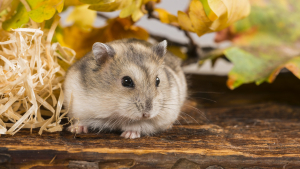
194, 52
102, 15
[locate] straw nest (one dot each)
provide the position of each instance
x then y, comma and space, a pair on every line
31, 93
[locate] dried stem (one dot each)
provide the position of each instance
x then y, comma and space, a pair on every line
194, 51
102, 15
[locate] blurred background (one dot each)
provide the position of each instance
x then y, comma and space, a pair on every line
156, 27
257, 39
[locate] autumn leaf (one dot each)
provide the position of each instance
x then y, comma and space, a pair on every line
44, 9
268, 42
82, 17
18, 20
212, 15
257, 68
185, 22
177, 51
72, 3
108, 5
117, 28
131, 8
165, 16
274, 21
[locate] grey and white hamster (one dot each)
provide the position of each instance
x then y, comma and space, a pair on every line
128, 85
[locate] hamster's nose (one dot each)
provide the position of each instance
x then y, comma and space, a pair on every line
146, 115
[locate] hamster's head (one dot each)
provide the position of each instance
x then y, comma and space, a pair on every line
131, 78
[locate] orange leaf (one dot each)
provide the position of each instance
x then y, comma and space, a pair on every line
117, 28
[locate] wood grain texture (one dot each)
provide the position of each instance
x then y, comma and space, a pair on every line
250, 127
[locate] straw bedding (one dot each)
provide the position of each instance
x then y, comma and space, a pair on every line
31, 94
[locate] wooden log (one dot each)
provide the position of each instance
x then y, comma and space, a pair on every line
250, 127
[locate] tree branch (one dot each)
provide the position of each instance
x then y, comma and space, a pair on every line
101, 15
194, 51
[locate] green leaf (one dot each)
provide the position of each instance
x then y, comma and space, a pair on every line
44, 9
268, 41
259, 67
18, 20
208, 11
276, 21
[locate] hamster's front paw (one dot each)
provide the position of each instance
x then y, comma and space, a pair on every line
78, 129
131, 134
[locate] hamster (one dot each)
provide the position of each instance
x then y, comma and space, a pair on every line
128, 85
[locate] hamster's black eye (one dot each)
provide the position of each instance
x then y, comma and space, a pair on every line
127, 82
157, 82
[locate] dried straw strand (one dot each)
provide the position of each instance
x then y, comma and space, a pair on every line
29, 75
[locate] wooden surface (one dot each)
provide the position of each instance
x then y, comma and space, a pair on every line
250, 127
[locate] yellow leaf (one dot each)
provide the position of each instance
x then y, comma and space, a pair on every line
137, 14
209, 12
96, 1
82, 17
213, 15
44, 9
109, 7
165, 16
185, 22
177, 51
131, 8
229, 12
198, 17
146, 1
72, 3
117, 28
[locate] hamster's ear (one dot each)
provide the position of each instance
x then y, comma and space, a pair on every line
102, 52
160, 49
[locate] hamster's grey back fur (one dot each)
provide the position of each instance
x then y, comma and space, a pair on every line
99, 101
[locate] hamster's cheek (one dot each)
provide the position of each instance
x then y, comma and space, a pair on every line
157, 105
127, 109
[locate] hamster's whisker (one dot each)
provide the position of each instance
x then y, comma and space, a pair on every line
179, 122
206, 92
204, 99
201, 113
105, 124
117, 122
184, 119
191, 117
